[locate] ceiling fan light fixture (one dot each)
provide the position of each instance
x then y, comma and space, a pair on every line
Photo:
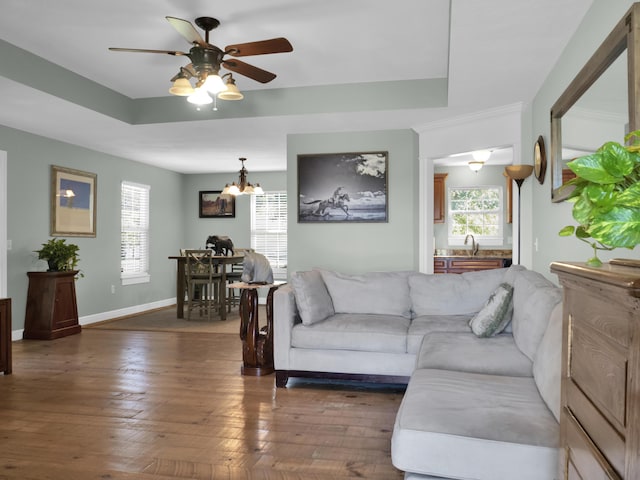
182, 87
232, 92
200, 97
214, 84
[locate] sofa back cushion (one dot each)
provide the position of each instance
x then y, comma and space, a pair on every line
380, 293
453, 294
534, 297
547, 365
312, 298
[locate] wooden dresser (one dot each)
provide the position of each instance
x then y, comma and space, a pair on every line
600, 417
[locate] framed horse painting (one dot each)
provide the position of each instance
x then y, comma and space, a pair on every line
343, 187
213, 204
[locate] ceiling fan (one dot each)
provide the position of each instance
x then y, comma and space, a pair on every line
207, 59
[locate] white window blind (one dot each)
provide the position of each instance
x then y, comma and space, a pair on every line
269, 230
134, 233
476, 211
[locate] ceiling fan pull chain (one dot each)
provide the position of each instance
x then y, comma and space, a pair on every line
215, 103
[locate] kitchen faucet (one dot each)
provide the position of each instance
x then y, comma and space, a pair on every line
474, 246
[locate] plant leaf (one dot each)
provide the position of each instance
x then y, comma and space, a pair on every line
567, 231
609, 164
630, 197
619, 227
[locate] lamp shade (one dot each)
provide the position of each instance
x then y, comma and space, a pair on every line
181, 87
518, 172
214, 83
476, 165
231, 93
200, 97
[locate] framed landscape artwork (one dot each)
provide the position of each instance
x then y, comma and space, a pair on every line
343, 187
73, 203
213, 204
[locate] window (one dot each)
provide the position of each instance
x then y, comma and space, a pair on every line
269, 230
134, 233
475, 211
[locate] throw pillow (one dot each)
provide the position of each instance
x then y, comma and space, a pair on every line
312, 297
495, 314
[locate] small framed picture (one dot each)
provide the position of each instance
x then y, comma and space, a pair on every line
213, 204
73, 203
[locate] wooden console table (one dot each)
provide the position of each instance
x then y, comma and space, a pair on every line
257, 342
52, 311
5, 335
600, 416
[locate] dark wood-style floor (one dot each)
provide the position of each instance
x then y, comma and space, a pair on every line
109, 404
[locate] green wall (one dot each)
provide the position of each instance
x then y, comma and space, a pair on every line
358, 247
547, 217
29, 158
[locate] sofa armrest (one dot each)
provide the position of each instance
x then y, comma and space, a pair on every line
285, 316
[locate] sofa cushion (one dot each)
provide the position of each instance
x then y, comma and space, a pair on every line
383, 293
427, 324
547, 365
368, 333
452, 294
533, 299
474, 426
312, 298
495, 314
465, 352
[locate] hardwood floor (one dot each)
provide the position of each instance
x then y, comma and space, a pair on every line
109, 404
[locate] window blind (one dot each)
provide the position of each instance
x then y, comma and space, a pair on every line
134, 233
269, 230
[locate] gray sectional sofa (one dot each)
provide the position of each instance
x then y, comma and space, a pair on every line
480, 352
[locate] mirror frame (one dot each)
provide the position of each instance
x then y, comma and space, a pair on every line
624, 36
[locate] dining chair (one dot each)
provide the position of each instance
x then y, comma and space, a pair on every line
204, 282
234, 273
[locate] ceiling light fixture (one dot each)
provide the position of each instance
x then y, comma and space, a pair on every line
479, 157
243, 187
209, 83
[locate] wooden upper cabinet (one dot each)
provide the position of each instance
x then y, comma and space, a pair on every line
438, 197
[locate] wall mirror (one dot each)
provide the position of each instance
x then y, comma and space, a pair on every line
599, 104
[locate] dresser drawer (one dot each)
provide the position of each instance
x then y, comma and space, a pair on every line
585, 462
608, 441
599, 367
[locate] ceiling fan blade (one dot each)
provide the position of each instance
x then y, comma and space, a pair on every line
142, 50
255, 73
187, 30
275, 45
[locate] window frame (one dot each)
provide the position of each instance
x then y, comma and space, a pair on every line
279, 271
138, 275
492, 240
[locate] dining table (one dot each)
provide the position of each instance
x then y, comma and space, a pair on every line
181, 284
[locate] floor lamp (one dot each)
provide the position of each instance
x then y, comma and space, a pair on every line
518, 173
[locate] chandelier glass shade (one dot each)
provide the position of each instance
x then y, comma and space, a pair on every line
479, 158
209, 83
243, 187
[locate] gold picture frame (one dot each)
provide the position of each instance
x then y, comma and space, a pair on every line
73, 203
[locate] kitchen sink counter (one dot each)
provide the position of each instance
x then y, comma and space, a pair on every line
460, 261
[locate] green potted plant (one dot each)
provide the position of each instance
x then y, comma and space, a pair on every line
60, 256
606, 197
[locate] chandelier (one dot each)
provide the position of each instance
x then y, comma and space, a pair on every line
243, 187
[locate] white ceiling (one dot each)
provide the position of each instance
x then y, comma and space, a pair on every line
494, 53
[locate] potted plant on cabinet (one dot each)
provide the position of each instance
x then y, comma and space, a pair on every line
606, 197
60, 256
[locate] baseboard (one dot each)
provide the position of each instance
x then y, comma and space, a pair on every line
101, 317
123, 312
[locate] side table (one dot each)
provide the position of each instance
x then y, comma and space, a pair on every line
257, 342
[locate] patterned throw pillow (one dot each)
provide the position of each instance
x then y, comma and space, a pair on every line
495, 314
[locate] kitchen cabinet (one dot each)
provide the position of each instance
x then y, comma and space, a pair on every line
439, 203
467, 264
